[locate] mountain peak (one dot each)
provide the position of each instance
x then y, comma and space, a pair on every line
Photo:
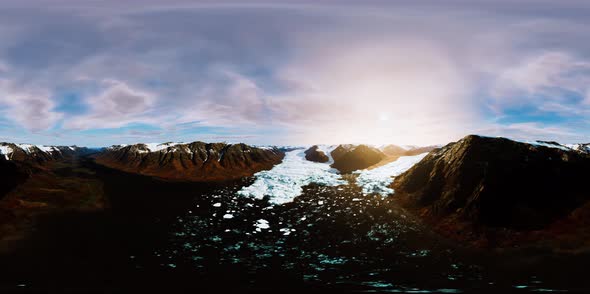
497, 182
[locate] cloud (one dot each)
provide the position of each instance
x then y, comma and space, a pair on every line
532, 132
27, 107
228, 98
300, 72
547, 75
116, 106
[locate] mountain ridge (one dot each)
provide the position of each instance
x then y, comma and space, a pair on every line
197, 161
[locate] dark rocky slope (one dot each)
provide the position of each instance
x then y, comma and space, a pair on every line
19, 161
316, 155
11, 175
348, 158
195, 161
496, 182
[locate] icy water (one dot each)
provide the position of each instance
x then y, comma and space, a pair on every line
179, 237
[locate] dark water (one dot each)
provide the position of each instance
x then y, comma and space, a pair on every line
178, 237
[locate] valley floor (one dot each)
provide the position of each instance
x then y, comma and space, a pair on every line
87, 228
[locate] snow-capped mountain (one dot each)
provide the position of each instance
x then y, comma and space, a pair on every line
191, 161
38, 153
585, 147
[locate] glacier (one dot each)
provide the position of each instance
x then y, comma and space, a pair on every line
284, 181
377, 180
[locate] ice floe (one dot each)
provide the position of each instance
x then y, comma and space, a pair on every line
284, 182
261, 224
377, 180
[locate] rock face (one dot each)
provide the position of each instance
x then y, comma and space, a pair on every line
348, 158
316, 155
497, 182
195, 161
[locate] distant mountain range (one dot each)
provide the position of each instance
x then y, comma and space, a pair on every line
40, 153
348, 157
197, 161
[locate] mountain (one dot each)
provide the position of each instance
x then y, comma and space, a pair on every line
39, 154
348, 158
395, 150
19, 161
498, 183
583, 148
197, 161
316, 155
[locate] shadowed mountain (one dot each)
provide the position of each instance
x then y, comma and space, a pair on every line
348, 158
316, 155
496, 182
12, 175
19, 161
195, 161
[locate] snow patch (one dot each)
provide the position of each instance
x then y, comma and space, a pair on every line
6, 150
377, 180
155, 147
286, 231
585, 148
47, 148
550, 145
284, 181
27, 148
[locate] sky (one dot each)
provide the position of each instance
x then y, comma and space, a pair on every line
97, 73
